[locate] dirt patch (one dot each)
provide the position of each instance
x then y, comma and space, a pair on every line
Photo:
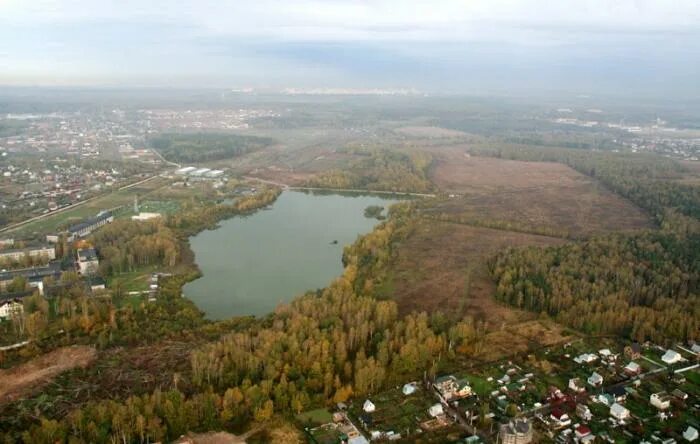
442, 266
522, 337
211, 438
18, 381
531, 196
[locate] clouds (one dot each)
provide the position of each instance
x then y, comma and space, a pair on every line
333, 41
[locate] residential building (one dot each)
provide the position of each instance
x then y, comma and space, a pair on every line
633, 351
632, 369
16, 255
661, 400
87, 261
576, 385
619, 412
9, 308
451, 388
595, 380
560, 418
671, 357
35, 275
368, 406
517, 431
435, 410
690, 434
584, 412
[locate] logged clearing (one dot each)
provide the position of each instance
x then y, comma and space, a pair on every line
442, 266
18, 381
530, 196
519, 338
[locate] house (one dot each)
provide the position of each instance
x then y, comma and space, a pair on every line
679, 394
695, 348
97, 283
576, 385
606, 399
518, 431
560, 418
618, 393
690, 434
632, 369
583, 412
607, 354
586, 358
671, 357
633, 351
9, 308
595, 380
619, 412
409, 389
451, 388
582, 431
368, 406
435, 410
87, 261
661, 400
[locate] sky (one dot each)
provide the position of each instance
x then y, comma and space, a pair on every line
649, 47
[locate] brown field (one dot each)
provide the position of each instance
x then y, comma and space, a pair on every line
442, 266
18, 381
518, 338
531, 196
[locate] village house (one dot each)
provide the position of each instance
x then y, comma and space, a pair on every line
435, 410
368, 406
9, 308
410, 388
632, 369
661, 400
619, 412
583, 431
671, 357
576, 385
451, 388
595, 380
584, 412
690, 434
586, 358
559, 418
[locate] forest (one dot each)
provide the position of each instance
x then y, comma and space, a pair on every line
381, 170
205, 147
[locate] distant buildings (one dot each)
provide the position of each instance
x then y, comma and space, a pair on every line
145, 216
34, 275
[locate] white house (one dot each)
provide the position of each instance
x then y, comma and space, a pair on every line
586, 358
409, 389
632, 368
661, 400
368, 406
595, 380
575, 385
619, 412
435, 410
671, 357
10, 308
690, 434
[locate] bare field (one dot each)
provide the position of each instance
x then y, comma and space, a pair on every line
522, 337
18, 381
531, 196
429, 132
443, 267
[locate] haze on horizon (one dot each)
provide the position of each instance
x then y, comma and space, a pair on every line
626, 47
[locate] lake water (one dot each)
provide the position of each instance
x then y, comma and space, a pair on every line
252, 263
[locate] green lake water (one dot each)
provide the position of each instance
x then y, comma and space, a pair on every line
250, 264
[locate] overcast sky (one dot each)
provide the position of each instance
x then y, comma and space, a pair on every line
585, 46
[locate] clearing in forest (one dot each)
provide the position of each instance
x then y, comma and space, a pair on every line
442, 266
18, 381
540, 197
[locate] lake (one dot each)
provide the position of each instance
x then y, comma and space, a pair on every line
250, 264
